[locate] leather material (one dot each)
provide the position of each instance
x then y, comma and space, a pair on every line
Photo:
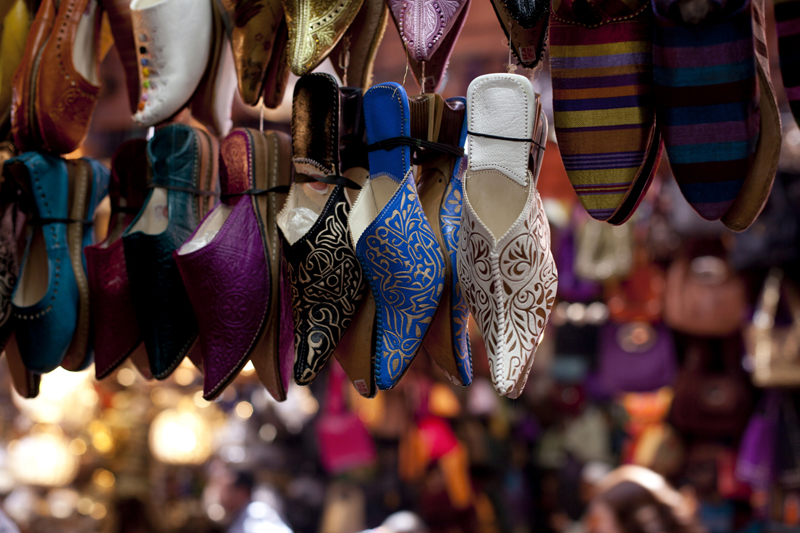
65, 99
326, 280
23, 108
168, 75
274, 356
508, 273
228, 278
278, 70
178, 155
119, 18
525, 24
441, 193
423, 24
114, 328
16, 24
430, 73
55, 326
398, 252
252, 27
315, 26
213, 100
354, 57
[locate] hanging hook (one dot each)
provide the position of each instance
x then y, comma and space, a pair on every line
261, 120
344, 59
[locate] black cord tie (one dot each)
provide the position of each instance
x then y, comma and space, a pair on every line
330, 179
47, 220
278, 189
190, 190
417, 144
499, 138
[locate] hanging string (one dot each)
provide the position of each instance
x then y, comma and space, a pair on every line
423, 78
150, 132
344, 59
511, 67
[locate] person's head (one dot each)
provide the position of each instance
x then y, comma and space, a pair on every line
238, 492
633, 499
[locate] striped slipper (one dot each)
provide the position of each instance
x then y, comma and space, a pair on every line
707, 98
787, 24
600, 59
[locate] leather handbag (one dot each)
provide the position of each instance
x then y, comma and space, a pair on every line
755, 463
775, 349
708, 402
604, 251
640, 297
344, 443
636, 357
704, 296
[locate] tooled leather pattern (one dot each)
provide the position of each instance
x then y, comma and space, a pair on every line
11, 225
315, 26
405, 269
327, 287
235, 172
510, 287
424, 23
450, 219
228, 285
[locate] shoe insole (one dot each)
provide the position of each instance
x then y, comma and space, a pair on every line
35, 274
374, 196
84, 52
143, 4
496, 199
155, 218
207, 230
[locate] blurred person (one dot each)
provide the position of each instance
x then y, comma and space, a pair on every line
248, 516
633, 499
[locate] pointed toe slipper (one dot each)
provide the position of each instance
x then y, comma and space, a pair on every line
505, 264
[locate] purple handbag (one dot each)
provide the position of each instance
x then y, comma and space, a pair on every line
636, 357
756, 462
570, 287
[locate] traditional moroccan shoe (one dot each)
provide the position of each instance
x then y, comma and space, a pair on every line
441, 192
354, 162
115, 330
12, 224
430, 73
225, 264
274, 356
423, 24
707, 99
354, 57
757, 185
184, 177
326, 280
164, 31
56, 87
119, 18
278, 70
505, 264
50, 304
399, 254
12, 47
213, 101
252, 27
605, 120
315, 28
525, 25
787, 24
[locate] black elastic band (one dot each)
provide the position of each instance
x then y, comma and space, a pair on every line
499, 138
278, 189
190, 190
126, 209
330, 179
396, 142
46, 221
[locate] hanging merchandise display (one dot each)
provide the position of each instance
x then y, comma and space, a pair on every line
605, 120
354, 57
775, 347
183, 163
115, 332
15, 23
525, 25
325, 277
505, 263
119, 18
